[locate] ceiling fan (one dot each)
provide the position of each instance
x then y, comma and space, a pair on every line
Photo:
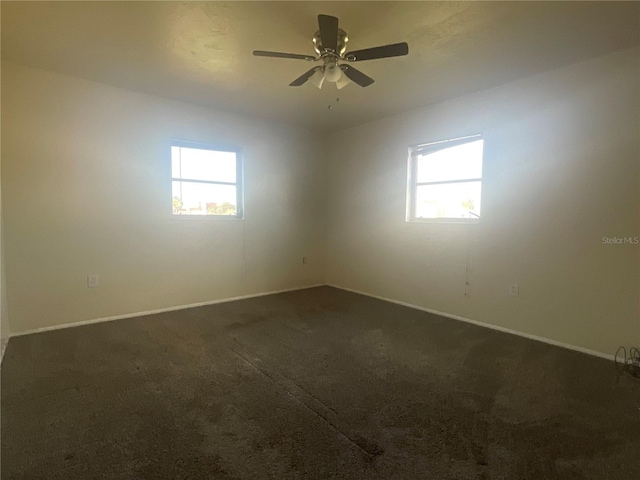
330, 43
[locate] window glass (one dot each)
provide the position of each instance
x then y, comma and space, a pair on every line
454, 163
445, 180
205, 181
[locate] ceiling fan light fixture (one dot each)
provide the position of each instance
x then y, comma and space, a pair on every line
343, 81
330, 44
332, 72
317, 79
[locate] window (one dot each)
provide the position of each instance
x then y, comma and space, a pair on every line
445, 180
206, 180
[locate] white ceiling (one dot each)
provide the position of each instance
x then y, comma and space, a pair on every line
200, 52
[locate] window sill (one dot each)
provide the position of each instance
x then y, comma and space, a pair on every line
463, 221
191, 218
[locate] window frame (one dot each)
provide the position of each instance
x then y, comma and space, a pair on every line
415, 151
239, 183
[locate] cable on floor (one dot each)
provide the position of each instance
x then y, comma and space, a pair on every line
630, 363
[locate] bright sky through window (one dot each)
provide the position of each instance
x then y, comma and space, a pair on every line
446, 180
204, 181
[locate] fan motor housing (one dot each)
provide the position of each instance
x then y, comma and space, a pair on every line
342, 43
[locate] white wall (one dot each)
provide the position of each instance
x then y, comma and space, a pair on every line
85, 185
4, 317
561, 171
86, 190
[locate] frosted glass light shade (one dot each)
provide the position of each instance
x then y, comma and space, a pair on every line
332, 72
317, 79
343, 81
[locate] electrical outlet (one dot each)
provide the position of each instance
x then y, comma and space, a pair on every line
92, 281
514, 290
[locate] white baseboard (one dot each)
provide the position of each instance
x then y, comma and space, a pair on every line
3, 347
159, 310
262, 294
483, 324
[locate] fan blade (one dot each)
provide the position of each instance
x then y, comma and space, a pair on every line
303, 78
328, 31
393, 50
357, 76
262, 53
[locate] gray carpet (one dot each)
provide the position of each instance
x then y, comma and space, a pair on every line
313, 384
